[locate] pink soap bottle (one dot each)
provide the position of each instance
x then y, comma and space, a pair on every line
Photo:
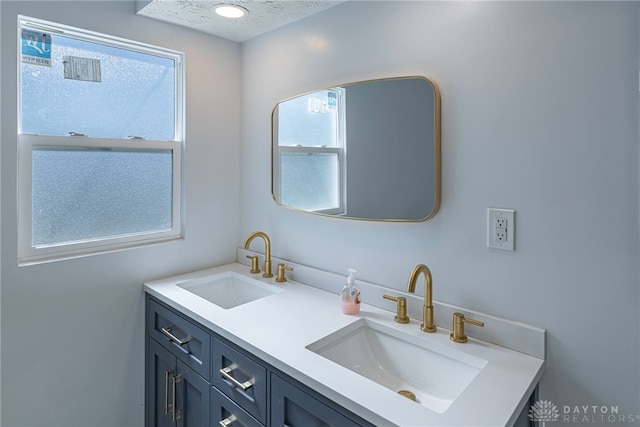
351, 295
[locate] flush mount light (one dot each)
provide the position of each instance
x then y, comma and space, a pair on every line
230, 11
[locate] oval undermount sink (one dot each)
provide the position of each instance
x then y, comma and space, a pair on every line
433, 374
230, 289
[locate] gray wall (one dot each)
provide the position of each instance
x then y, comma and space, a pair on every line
539, 114
72, 331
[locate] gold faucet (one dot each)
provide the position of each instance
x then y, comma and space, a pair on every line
427, 308
401, 308
280, 277
267, 251
459, 320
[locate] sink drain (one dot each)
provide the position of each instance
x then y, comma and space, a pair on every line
407, 394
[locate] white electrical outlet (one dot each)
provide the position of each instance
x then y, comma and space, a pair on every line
501, 229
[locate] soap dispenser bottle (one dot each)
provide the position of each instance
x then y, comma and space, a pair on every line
351, 295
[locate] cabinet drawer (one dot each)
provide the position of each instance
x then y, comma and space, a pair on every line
188, 342
241, 379
293, 407
225, 411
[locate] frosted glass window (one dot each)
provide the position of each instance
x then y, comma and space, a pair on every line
88, 194
134, 97
310, 181
100, 142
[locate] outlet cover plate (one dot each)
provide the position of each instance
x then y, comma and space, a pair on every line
501, 229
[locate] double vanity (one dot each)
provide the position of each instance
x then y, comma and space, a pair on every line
229, 347
247, 344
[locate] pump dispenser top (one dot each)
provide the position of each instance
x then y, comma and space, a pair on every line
351, 294
351, 279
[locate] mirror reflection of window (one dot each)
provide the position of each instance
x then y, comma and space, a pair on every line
311, 181
311, 152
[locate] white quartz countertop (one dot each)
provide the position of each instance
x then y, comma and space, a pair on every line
278, 328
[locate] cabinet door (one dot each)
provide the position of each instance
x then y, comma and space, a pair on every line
160, 369
192, 398
292, 407
176, 395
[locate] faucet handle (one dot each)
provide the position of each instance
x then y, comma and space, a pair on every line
401, 308
459, 320
254, 264
281, 271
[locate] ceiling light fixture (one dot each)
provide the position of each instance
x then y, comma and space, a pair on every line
230, 11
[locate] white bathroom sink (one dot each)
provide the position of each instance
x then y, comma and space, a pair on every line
435, 374
229, 289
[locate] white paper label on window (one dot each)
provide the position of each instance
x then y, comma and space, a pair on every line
85, 69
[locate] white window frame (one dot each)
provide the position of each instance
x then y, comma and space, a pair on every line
30, 254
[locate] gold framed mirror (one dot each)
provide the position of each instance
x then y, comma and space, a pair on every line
366, 150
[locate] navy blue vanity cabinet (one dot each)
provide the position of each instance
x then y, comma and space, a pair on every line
195, 378
293, 407
187, 340
225, 412
177, 396
177, 369
241, 377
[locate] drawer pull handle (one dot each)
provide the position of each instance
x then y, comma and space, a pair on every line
175, 413
167, 332
227, 421
226, 373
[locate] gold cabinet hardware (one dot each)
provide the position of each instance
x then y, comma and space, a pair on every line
267, 251
281, 270
254, 264
226, 374
427, 309
401, 316
227, 421
458, 327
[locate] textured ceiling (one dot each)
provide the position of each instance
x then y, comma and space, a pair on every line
264, 15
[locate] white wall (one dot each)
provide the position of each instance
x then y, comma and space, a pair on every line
72, 331
539, 114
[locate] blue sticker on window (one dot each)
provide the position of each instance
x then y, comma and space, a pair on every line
332, 99
36, 48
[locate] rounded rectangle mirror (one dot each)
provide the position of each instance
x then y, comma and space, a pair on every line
366, 150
